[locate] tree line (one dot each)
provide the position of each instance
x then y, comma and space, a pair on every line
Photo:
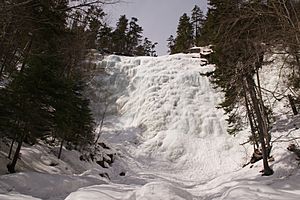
42, 70
127, 39
43, 91
188, 32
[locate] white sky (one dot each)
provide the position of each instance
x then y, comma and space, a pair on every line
159, 18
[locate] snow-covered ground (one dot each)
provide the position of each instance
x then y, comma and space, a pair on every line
170, 139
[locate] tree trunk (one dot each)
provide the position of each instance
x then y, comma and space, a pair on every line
60, 149
292, 103
4, 36
258, 65
11, 166
11, 146
1, 71
26, 52
263, 112
101, 125
249, 114
297, 60
261, 126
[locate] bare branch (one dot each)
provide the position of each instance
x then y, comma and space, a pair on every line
91, 3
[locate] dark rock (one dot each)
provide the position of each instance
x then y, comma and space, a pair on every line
10, 168
84, 157
256, 156
52, 164
103, 145
104, 175
101, 163
122, 174
92, 156
111, 160
296, 150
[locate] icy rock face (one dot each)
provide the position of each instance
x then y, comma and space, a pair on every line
174, 107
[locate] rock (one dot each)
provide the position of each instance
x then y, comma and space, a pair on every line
122, 174
53, 164
102, 163
103, 145
295, 149
104, 175
111, 160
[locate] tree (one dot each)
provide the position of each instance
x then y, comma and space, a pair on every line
133, 36
120, 35
94, 19
239, 39
149, 48
215, 14
171, 44
28, 112
184, 38
72, 117
197, 20
44, 93
105, 40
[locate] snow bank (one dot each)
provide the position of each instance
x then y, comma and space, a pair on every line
16, 197
44, 186
153, 190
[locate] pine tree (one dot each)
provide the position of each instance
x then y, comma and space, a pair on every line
28, 108
72, 117
238, 36
133, 36
104, 41
197, 19
184, 38
149, 48
217, 10
120, 35
171, 44
43, 96
94, 19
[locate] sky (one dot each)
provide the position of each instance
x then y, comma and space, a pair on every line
159, 18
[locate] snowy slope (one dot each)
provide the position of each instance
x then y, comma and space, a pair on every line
167, 126
173, 110
170, 138
174, 139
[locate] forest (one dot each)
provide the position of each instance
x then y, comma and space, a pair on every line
43, 48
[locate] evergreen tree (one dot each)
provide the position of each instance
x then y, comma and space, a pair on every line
216, 12
153, 51
43, 96
104, 40
149, 48
94, 19
171, 44
27, 107
238, 36
133, 36
120, 35
72, 117
184, 38
197, 21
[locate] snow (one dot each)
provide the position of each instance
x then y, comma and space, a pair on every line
172, 110
44, 186
170, 140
